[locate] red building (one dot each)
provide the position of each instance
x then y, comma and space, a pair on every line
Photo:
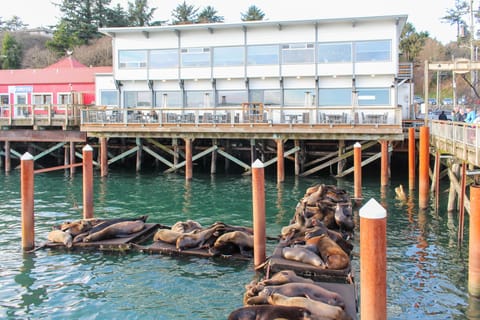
62, 83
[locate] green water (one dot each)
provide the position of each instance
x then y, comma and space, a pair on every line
427, 271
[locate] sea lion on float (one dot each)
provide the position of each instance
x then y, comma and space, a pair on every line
118, 229
59, 236
167, 235
303, 255
186, 226
343, 217
336, 236
268, 312
332, 254
197, 239
230, 242
319, 310
285, 276
297, 289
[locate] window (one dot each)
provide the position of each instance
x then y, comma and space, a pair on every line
138, 99
197, 99
38, 98
335, 97
228, 56
64, 98
379, 50
334, 52
267, 97
299, 97
297, 53
132, 59
195, 57
261, 55
231, 98
167, 58
373, 96
109, 98
4, 99
168, 99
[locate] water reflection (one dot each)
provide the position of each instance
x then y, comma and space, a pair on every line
279, 203
33, 296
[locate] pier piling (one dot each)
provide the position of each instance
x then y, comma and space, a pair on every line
280, 161
424, 168
258, 199
474, 240
357, 171
27, 190
87, 182
411, 158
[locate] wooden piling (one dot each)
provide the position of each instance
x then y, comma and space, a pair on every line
297, 158
213, 163
87, 182
8, 160
258, 200
357, 171
27, 195
72, 158
188, 159
139, 155
411, 158
373, 261
474, 240
461, 213
384, 163
424, 168
103, 157
280, 161
436, 180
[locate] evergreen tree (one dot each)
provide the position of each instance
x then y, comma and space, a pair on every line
184, 14
117, 17
79, 17
253, 14
62, 40
209, 15
411, 42
455, 15
11, 56
139, 13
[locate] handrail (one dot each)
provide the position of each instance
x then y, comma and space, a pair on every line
45, 114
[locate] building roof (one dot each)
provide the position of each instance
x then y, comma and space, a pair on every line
67, 70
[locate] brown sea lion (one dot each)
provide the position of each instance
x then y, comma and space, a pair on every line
314, 197
59, 236
319, 310
229, 242
297, 289
344, 217
197, 239
167, 235
269, 312
108, 222
330, 251
303, 255
336, 236
118, 229
186, 226
400, 193
80, 226
285, 276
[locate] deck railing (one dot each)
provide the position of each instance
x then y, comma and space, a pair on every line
44, 115
242, 114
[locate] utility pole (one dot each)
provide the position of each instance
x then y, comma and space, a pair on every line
473, 74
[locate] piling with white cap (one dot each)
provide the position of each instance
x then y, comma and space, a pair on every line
373, 261
357, 171
87, 152
258, 200
27, 195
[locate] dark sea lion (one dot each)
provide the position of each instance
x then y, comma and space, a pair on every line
269, 312
319, 310
108, 222
167, 235
118, 229
238, 239
333, 255
197, 239
344, 217
303, 255
320, 229
315, 197
59, 236
297, 289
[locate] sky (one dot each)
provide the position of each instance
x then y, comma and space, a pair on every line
423, 14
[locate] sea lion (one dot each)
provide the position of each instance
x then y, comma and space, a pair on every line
197, 239
167, 235
238, 239
108, 222
319, 310
297, 289
330, 251
314, 197
285, 276
59, 236
343, 217
118, 229
400, 193
186, 226
304, 255
320, 229
268, 312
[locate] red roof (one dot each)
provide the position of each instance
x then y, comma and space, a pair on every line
67, 70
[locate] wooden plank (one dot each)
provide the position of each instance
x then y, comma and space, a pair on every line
233, 159
123, 155
285, 154
25, 135
157, 156
195, 157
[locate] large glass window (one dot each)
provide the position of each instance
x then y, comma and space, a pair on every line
197, 99
228, 56
334, 52
267, 97
377, 50
41, 98
138, 99
64, 98
298, 53
231, 98
373, 96
299, 97
109, 98
167, 58
168, 99
132, 59
335, 97
262, 55
195, 57
4, 99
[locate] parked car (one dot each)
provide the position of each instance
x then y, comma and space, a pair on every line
432, 101
447, 101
